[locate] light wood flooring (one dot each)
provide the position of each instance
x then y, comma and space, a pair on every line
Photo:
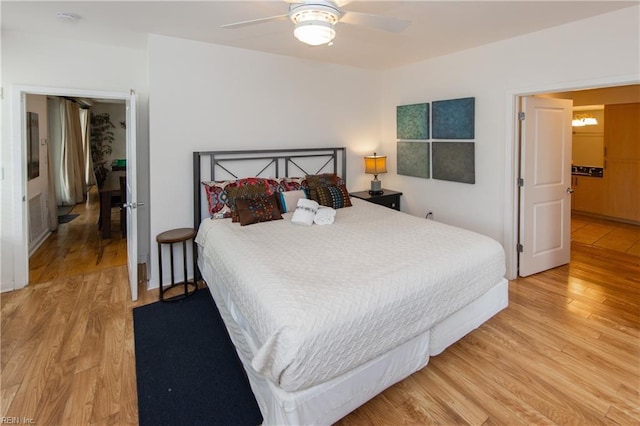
607, 234
565, 351
77, 247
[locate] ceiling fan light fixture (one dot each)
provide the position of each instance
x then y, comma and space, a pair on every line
580, 120
314, 22
314, 33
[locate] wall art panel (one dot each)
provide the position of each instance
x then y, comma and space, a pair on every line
413, 159
454, 119
454, 161
412, 121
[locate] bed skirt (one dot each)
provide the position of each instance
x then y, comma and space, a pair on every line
328, 402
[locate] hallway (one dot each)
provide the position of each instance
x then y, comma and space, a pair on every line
76, 247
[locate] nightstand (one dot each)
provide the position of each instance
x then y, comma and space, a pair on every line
179, 236
388, 198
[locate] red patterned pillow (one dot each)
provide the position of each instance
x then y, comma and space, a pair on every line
255, 210
294, 183
336, 197
273, 185
217, 198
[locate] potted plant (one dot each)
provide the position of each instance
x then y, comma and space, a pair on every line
101, 144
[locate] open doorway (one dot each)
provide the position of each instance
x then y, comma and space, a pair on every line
82, 141
72, 146
605, 201
19, 139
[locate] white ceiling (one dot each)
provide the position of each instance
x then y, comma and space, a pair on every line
437, 28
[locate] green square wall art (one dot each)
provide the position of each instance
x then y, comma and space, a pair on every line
412, 121
454, 119
454, 161
413, 159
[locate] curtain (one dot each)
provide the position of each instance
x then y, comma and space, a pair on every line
85, 123
72, 177
51, 162
68, 154
55, 143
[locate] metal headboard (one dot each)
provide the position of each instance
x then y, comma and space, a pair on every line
209, 165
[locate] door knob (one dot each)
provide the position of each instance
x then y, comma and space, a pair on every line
569, 190
132, 205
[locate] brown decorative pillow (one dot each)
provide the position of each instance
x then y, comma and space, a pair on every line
336, 197
246, 190
318, 181
260, 209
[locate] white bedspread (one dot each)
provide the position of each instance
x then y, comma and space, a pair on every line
322, 300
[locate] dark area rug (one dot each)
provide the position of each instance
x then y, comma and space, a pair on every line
62, 210
66, 218
187, 370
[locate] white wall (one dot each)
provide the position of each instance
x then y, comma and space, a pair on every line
557, 58
33, 60
209, 97
213, 97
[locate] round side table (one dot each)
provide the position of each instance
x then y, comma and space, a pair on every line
171, 237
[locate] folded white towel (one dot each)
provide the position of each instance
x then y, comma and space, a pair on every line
305, 212
324, 216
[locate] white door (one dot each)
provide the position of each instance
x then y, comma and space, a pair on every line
545, 192
132, 196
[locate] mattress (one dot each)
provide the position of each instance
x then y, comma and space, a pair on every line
326, 403
320, 301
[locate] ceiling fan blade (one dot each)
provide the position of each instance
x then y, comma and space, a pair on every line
256, 21
385, 23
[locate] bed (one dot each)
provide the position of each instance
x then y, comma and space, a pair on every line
324, 318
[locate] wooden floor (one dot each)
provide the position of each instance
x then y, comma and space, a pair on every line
66, 348
565, 351
607, 234
77, 248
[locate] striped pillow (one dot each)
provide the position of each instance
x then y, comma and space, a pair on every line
319, 181
336, 197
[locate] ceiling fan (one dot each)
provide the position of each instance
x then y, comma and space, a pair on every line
314, 20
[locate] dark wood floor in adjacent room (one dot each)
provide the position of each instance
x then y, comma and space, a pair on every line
565, 351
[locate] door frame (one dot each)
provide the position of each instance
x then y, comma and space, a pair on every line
513, 154
20, 212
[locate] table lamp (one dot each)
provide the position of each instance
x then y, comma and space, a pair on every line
375, 164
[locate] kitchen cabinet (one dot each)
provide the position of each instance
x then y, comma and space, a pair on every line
588, 195
622, 161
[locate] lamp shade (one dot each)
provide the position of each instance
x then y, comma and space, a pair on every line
375, 164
